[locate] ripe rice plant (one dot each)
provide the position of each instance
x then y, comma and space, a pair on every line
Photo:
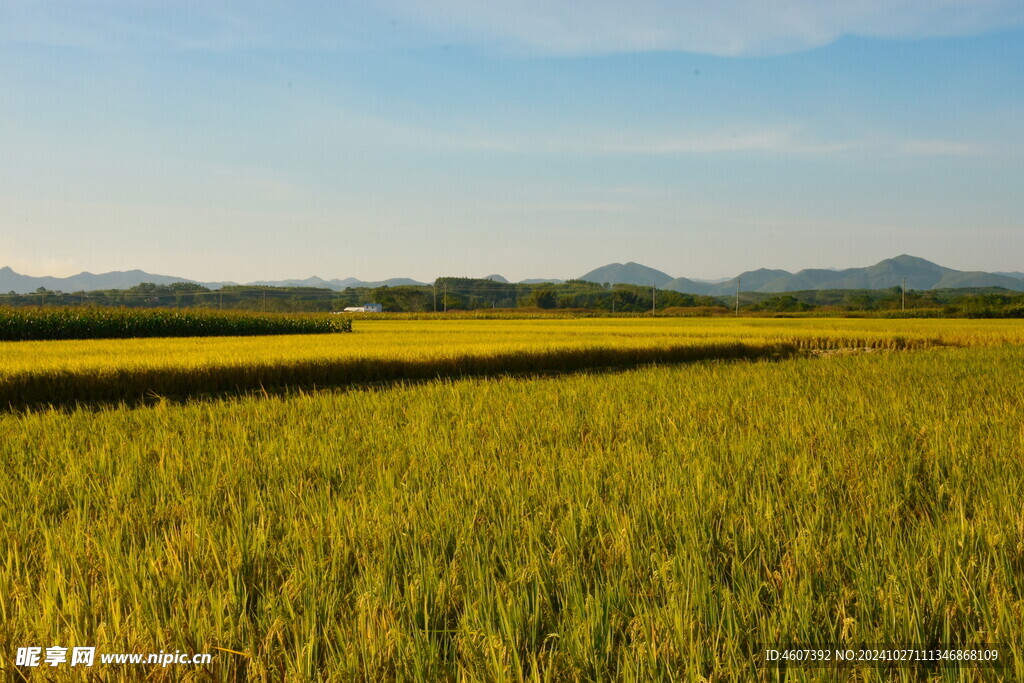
658, 524
219, 375
18, 324
70, 371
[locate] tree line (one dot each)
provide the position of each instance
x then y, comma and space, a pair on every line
471, 294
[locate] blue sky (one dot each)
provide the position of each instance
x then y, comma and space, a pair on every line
256, 140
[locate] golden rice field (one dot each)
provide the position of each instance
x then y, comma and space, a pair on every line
665, 522
131, 369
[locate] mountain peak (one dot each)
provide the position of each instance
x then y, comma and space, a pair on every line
631, 273
914, 261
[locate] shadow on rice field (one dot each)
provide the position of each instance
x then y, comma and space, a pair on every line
140, 386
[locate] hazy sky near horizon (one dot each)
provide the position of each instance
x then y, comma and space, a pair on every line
259, 139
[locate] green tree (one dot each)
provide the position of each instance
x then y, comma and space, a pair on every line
542, 298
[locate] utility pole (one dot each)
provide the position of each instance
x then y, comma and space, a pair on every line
435, 296
904, 307
737, 295
654, 292
446, 297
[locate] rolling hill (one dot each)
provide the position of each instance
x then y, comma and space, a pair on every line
628, 274
919, 274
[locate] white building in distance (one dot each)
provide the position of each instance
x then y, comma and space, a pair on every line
365, 308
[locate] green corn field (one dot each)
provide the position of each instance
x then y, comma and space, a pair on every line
18, 324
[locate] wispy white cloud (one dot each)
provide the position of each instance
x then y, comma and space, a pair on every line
558, 27
576, 141
783, 140
723, 27
778, 140
565, 207
941, 148
110, 25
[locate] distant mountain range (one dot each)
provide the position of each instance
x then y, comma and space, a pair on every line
335, 283
919, 274
11, 281
83, 282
